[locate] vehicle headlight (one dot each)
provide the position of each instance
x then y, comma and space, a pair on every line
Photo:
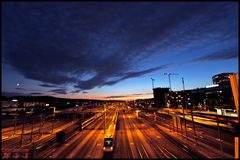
104, 148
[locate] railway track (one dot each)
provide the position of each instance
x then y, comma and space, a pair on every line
204, 136
184, 148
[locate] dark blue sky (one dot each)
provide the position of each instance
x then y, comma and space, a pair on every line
112, 49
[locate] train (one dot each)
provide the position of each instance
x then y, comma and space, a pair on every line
67, 133
109, 138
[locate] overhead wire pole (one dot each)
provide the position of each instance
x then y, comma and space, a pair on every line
184, 102
193, 124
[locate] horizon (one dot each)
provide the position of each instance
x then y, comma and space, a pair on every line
111, 51
76, 98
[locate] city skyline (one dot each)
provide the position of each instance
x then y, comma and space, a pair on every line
111, 50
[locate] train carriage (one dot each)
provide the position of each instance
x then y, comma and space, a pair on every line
109, 138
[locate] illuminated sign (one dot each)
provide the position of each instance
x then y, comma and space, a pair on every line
214, 85
108, 142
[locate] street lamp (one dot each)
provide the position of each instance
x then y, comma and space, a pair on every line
191, 112
184, 104
152, 83
169, 78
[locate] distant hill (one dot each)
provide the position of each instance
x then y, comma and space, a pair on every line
4, 98
50, 99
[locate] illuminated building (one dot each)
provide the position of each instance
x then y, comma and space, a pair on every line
221, 79
213, 97
217, 95
179, 99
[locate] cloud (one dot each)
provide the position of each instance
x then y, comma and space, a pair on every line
26, 89
138, 94
76, 91
225, 54
115, 97
134, 74
35, 93
128, 95
89, 45
17, 88
47, 85
58, 91
9, 94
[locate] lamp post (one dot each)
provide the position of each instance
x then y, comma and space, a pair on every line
169, 78
184, 104
183, 84
193, 124
152, 83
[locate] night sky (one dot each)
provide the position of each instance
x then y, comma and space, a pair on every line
113, 49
